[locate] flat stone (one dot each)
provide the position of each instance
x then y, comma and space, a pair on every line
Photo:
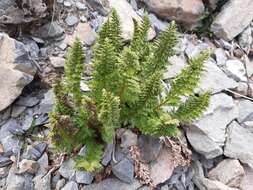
149, 147
4, 161
245, 109
236, 11
17, 69
42, 182
165, 164
14, 181
220, 112
124, 170
220, 56
27, 101
28, 166
81, 6
83, 177
229, 171
128, 138
177, 64
214, 79
71, 20
245, 39
17, 110
57, 62
202, 143
247, 182
238, 144
113, 184
126, 14
46, 104
186, 12
235, 69
60, 184
70, 186
83, 32
49, 30
67, 169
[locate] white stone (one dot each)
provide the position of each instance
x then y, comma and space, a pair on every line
236, 70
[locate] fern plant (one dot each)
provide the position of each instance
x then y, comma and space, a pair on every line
125, 91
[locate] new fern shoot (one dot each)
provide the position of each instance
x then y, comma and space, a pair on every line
126, 90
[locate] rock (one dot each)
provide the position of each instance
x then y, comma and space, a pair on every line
21, 12
43, 165
184, 11
163, 163
236, 11
49, 31
36, 151
17, 69
28, 101
220, 112
124, 170
245, 40
128, 138
126, 14
249, 67
84, 177
42, 182
70, 186
113, 184
236, 70
9, 141
248, 122
101, 6
83, 32
242, 89
60, 184
67, 169
149, 147
29, 166
81, 6
107, 156
157, 24
71, 20
220, 56
46, 104
177, 63
229, 171
247, 183
17, 110
4, 161
202, 143
14, 181
245, 109
67, 4
238, 144
214, 79
57, 62
16, 130
211, 3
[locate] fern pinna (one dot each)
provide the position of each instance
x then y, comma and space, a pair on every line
126, 90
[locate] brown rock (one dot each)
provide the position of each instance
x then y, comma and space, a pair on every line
29, 166
184, 11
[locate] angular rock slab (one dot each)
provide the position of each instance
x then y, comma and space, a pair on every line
184, 11
220, 112
247, 181
17, 69
126, 14
235, 16
229, 171
239, 144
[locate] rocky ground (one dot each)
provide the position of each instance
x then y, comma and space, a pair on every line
213, 153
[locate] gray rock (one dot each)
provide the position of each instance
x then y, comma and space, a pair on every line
14, 181
81, 6
71, 20
101, 6
46, 104
42, 182
113, 184
220, 56
158, 24
60, 184
83, 177
107, 156
17, 69
149, 147
28, 101
67, 169
245, 39
67, 4
236, 11
36, 151
57, 62
43, 165
236, 70
245, 109
17, 110
238, 144
4, 161
248, 122
229, 171
70, 186
32, 47
247, 183
128, 138
202, 143
124, 170
220, 112
214, 79
49, 30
